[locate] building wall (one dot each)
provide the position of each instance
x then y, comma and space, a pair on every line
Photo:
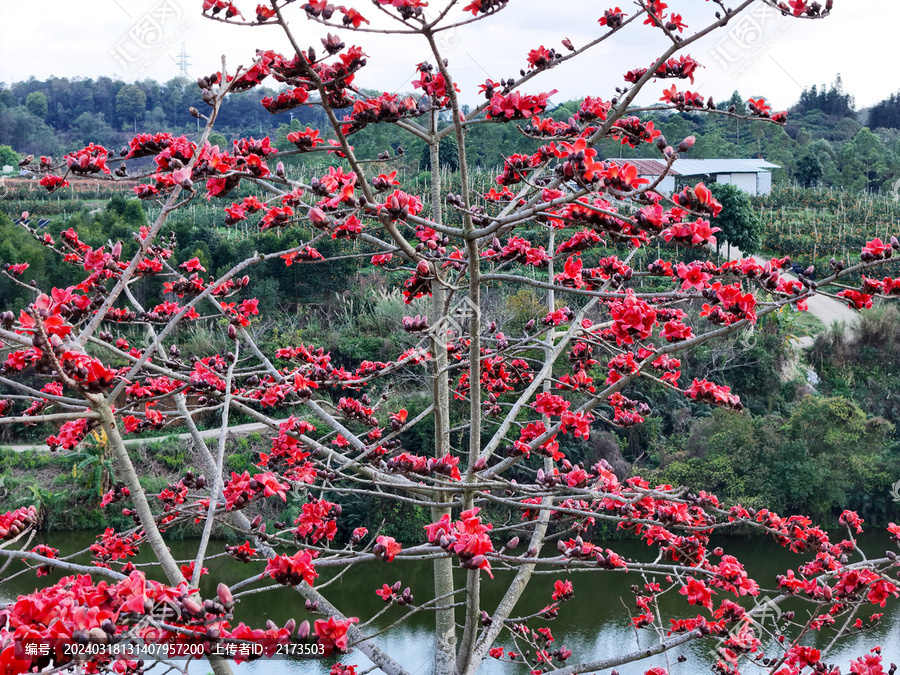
752, 183
745, 181
667, 186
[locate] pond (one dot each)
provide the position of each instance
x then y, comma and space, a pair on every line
595, 623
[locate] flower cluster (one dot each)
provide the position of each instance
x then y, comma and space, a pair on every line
113, 546
467, 538
14, 523
704, 391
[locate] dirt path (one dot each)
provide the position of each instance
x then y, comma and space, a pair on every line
825, 309
239, 430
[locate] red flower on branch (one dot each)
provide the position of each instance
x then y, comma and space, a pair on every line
698, 593
386, 548
332, 634
52, 182
612, 18
632, 318
856, 299
292, 570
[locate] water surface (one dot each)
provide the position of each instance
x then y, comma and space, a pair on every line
594, 624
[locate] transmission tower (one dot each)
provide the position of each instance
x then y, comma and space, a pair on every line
183, 63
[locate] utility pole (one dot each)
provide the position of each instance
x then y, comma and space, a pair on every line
183, 63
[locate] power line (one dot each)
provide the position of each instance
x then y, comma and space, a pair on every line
183, 62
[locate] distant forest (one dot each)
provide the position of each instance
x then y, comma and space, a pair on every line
825, 142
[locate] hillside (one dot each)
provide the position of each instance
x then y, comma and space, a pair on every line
823, 143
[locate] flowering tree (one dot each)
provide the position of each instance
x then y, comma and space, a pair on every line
606, 325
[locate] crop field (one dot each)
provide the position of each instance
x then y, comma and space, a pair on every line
814, 225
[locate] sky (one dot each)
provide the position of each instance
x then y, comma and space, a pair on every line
762, 53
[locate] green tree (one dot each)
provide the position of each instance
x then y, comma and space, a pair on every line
133, 214
809, 169
37, 104
220, 140
864, 162
17, 245
156, 119
831, 101
817, 460
131, 102
7, 98
713, 145
448, 156
886, 113
739, 222
828, 156
740, 107
93, 127
8, 156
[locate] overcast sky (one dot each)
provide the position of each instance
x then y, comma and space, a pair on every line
764, 54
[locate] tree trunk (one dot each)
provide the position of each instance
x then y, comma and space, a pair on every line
126, 471
444, 620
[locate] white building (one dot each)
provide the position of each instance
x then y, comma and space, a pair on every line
753, 176
651, 169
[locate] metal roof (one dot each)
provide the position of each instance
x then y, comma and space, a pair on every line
646, 167
699, 167
704, 167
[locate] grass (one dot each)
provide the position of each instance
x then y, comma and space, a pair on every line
810, 324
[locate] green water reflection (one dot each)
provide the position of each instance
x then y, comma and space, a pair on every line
594, 624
